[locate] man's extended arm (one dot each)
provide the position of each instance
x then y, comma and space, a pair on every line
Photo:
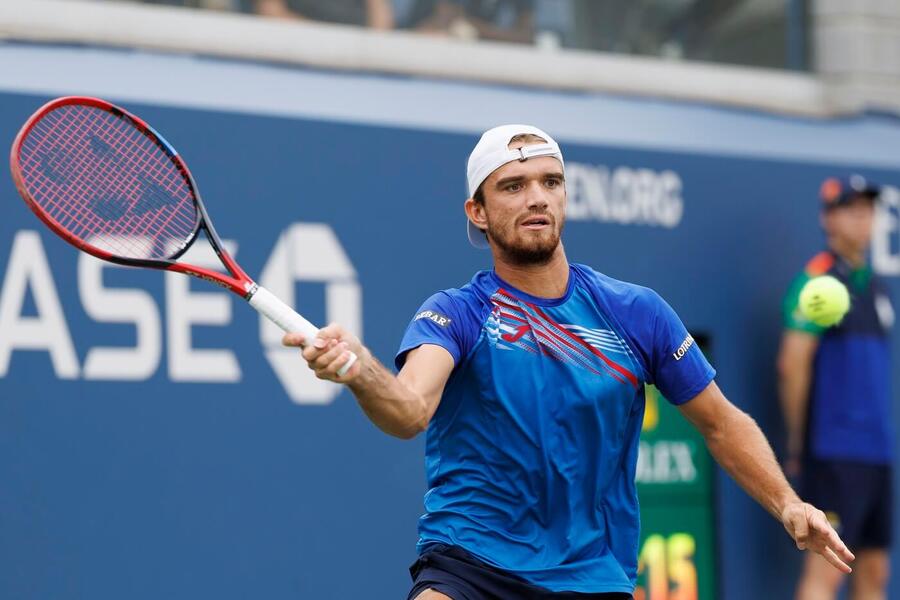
400, 405
739, 446
795, 367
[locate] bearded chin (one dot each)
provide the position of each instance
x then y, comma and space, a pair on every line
537, 252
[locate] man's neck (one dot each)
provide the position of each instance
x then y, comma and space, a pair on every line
549, 280
854, 257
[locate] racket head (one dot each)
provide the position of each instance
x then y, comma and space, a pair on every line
106, 182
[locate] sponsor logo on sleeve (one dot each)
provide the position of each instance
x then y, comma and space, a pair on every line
434, 317
683, 348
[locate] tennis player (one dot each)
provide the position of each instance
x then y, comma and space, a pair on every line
529, 381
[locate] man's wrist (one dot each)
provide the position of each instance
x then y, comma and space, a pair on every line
784, 502
365, 360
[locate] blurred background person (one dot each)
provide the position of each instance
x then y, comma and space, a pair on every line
498, 20
836, 398
377, 14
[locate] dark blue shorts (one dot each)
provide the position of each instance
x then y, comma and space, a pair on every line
452, 571
856, 497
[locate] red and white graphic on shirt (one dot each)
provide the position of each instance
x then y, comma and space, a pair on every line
526, 326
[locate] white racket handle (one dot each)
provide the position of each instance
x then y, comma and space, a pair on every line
269, 305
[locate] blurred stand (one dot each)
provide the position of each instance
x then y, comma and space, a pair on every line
377, 14
824, 57
761, 33
223, 5
497, 20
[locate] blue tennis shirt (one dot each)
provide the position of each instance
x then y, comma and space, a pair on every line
530, 457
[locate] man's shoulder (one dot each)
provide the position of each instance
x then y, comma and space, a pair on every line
820, 264
474, 291
616, 292
465, 299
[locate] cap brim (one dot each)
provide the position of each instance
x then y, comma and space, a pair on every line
872, 194
476, 237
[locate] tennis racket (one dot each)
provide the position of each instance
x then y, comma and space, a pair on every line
106, 182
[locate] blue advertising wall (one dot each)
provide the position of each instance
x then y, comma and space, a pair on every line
215, 475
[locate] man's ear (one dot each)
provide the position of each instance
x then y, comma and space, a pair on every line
475, 213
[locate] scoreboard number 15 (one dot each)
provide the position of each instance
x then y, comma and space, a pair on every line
666, 569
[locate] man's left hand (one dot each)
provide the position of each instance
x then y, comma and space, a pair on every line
811, 531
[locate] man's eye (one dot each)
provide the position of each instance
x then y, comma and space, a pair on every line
514, 187
552, 183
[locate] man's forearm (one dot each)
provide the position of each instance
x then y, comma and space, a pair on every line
388, 403
740, 447
793, 387
795, 372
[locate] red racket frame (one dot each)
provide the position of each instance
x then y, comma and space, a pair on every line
239, 282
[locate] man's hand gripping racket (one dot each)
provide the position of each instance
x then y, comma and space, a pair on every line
107, 183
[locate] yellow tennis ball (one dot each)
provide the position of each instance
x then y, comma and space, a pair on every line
824, 300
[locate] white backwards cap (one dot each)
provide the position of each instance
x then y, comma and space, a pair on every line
492, 152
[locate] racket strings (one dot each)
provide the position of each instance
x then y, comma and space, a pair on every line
119, 188
107, 183
62, 171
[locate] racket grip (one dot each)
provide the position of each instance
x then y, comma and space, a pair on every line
269, 305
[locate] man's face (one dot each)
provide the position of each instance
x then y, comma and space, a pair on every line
524, 209
851, 224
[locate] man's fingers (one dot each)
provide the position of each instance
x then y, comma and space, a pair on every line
327, 352
330, 372
835, 561
354, 369
801, 531
299, 340
831, 540
826, 541
316, 348
841, 551
293, 339
844, 553
332, 330
811, 530
327, 356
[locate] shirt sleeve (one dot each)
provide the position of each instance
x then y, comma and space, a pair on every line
439, 321
791, 315
677, 365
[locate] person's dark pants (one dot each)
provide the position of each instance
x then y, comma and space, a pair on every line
454, 572
856, 497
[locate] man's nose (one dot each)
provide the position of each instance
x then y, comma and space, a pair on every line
536, 196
